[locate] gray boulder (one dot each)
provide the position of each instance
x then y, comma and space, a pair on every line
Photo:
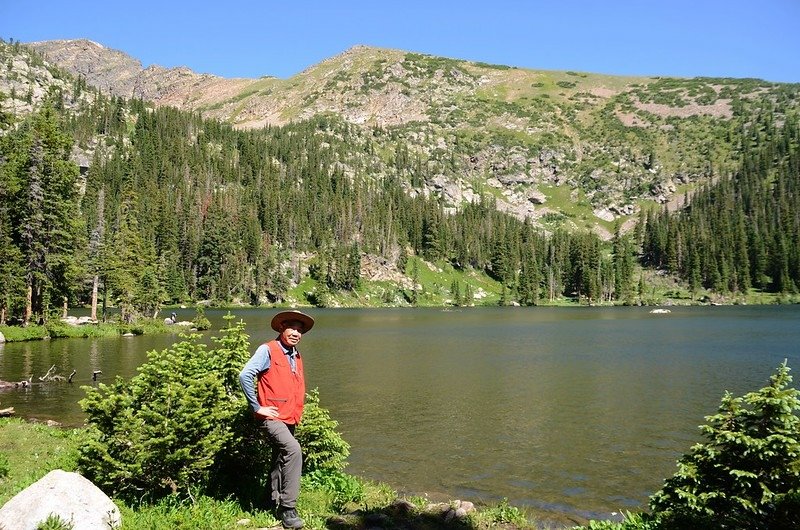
73, 498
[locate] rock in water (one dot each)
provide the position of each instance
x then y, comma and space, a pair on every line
70, 496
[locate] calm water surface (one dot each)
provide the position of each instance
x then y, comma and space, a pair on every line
582, 411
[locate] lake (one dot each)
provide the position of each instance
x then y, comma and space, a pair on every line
581, 411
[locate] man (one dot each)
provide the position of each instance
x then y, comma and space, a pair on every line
273, 383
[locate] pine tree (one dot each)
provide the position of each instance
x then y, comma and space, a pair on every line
748, 465
415, 282
455, 293
124, 260
45, 211
95, 250
623, 264
12, 275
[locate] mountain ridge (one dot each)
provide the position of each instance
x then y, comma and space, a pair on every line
301, 213
556, 147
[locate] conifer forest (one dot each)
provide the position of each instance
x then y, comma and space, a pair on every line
177, 208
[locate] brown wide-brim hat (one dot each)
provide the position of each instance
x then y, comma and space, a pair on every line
285, 316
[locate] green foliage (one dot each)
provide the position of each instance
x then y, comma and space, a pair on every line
424, 65
632, 521
4, 466
159, 432
202, 511
57, 329
200, 320
739, 232
20, 333
747, 472
493, 66
320, 296
324, 448
181, 426
504, 513
162, 431
343, 488
231, 354
40, 223
54, 522
144, 326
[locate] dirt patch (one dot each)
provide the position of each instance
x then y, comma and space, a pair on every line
602, 92
720, 109
631, 120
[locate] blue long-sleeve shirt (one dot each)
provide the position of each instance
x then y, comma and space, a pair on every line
258, 364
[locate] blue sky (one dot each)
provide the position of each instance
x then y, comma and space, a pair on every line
733, 38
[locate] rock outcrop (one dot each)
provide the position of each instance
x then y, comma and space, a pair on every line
114, 72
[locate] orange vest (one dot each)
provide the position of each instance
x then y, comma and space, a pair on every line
282, 388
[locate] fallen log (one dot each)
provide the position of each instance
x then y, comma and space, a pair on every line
48, 376
4, 413
15, 384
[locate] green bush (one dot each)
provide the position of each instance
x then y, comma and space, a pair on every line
200, 320
323, 448
747, 473
162, 431
159, 432
343, 488
56, 329
182, 426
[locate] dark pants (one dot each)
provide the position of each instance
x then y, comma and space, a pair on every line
287, 463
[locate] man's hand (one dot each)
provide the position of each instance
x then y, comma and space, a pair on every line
267, 412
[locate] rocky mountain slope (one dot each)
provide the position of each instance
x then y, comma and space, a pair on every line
118, 74
560, 148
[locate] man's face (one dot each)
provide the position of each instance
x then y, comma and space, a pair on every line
292, 333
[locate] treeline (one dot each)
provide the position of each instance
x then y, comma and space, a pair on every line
744, 230
176, 208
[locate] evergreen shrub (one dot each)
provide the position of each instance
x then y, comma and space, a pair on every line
323, 448
200, 320
159, 432
747, 472
182, 426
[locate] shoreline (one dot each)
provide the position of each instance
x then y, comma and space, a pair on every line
542, 518
64, 329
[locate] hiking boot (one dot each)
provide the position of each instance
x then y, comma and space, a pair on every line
289, 518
